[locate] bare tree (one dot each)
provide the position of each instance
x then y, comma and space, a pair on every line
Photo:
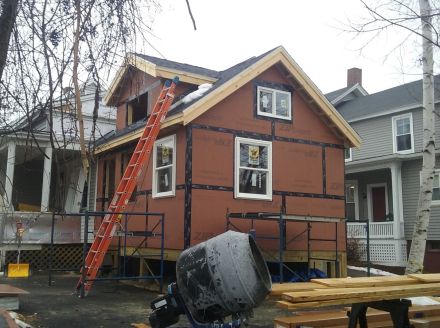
8, 14
422, 22
418, 244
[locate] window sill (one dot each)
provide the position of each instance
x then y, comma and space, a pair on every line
404, 152
285, 118
164, 195
254, 197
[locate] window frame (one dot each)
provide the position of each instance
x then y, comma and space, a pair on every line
350, 158
274, 91
253, 142
355, 184
394, 128
437, 201
172, 192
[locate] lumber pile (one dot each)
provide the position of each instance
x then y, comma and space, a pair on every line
346, 291
420, 317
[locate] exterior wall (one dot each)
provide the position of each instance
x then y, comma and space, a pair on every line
137, 84
377, 135
411, 186
308, 173
308, 178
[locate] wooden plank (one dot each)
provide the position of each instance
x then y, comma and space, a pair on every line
426, 277
429, 322
11, 290
353, 293
366, 281
278, 289
334, 318
355, 299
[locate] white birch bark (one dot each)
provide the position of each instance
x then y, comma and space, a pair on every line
418, 244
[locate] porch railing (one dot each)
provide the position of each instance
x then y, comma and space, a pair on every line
383, 230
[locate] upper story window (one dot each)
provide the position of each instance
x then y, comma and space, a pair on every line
347, 154
253, 169
274, 103
137, 109
164, 167
403, 137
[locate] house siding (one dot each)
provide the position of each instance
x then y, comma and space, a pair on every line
410, 194
377, 141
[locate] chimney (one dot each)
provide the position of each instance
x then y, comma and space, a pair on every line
354, 75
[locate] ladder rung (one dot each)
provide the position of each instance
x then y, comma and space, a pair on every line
139, 157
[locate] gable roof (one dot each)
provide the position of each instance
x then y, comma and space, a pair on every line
403, 97
347, 93
234, 78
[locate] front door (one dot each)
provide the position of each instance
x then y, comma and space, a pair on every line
378, 203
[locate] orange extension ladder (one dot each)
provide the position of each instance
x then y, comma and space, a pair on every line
126, 186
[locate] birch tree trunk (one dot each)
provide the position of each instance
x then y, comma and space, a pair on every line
418, 244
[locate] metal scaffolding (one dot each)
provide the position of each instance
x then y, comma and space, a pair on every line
281, 219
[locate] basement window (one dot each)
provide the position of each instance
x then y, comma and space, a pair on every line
137, 109
164, 167
274, 103
253, 169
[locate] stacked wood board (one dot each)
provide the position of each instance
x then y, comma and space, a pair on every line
346, 291
9, 297
420, 317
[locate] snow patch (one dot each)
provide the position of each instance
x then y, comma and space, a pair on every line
423, 300
372, 271
203, 88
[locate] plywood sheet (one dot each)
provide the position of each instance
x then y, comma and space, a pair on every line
367, 281
11, 290
386, 292
278, 289
426, 277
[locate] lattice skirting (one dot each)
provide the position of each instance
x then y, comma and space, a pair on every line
385, 252
64, 257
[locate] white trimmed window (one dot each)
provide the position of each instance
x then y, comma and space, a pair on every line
253, 169
351, 200
403, 137
347, 154
274, 103
164, 167
436, 188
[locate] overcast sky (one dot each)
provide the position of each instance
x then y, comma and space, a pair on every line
230, 31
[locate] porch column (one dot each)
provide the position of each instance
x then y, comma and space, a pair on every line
10, 165
47, 172
396, 182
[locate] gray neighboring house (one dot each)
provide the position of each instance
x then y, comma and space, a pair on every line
383, 176
37, 179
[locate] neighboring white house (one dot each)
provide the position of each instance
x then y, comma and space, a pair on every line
39, 176
383, 176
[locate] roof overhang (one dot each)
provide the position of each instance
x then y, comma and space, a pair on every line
154, 70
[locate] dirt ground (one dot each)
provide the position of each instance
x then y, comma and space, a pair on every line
109, 304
